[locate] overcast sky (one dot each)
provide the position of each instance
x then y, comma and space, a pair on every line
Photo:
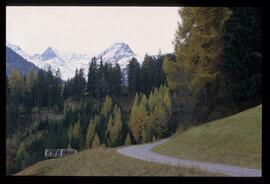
92, 29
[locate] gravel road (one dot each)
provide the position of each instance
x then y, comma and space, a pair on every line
143, 152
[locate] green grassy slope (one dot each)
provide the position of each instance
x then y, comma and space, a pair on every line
106, 162
235, 140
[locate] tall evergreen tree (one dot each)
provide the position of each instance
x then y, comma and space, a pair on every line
76, 136
30, 79
91, 131
92, 78
16, 86
116, 137
133, 72
195, 75
109, 132
138, 118
147, 75
242, 54
96, 142
128, 140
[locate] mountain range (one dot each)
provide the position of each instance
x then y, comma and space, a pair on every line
67, 62
14, 60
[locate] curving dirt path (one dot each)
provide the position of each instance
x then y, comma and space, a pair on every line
143, 152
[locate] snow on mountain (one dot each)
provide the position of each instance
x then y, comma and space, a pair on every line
116, 52
48, 54
68, 62
15, 61
18, 50
119, 53
75, 60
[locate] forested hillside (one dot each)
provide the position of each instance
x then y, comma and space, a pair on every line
214, 72
42, 112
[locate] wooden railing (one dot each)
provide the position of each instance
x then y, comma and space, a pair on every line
57, 153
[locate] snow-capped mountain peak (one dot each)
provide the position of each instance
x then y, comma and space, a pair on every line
119, 53
18, 50
49, 53
116, 52
12, 46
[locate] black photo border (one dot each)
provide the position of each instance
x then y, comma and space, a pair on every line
109, 179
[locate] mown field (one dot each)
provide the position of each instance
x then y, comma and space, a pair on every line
235, 140
106, 162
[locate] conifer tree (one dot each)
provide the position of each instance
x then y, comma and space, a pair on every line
21, 155
138, 118
133, 72
16, 86
109, 131
106, 111
92, 78
146, 135
90, 133
133, 121
107, 107
96, 142
167, 101
242, 54
195, 75
128, 140
70, 134
147, 75
77, 135
30, 79
117, 127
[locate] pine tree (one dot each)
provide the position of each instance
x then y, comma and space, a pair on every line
42, 89
133, 72
138, 118
117, 127
167, 101
160, 121
90, 133
58, 91
109, 131
118, 80
16, 86
96, 142
107, 106
78, 84
77, 130
50, 89
103, 85
195, 75
242, 54
147, 75
146, 135
105, 112
30, 79
92, 78
133, 121
77, 141
70, 134
128, 140
21, 155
